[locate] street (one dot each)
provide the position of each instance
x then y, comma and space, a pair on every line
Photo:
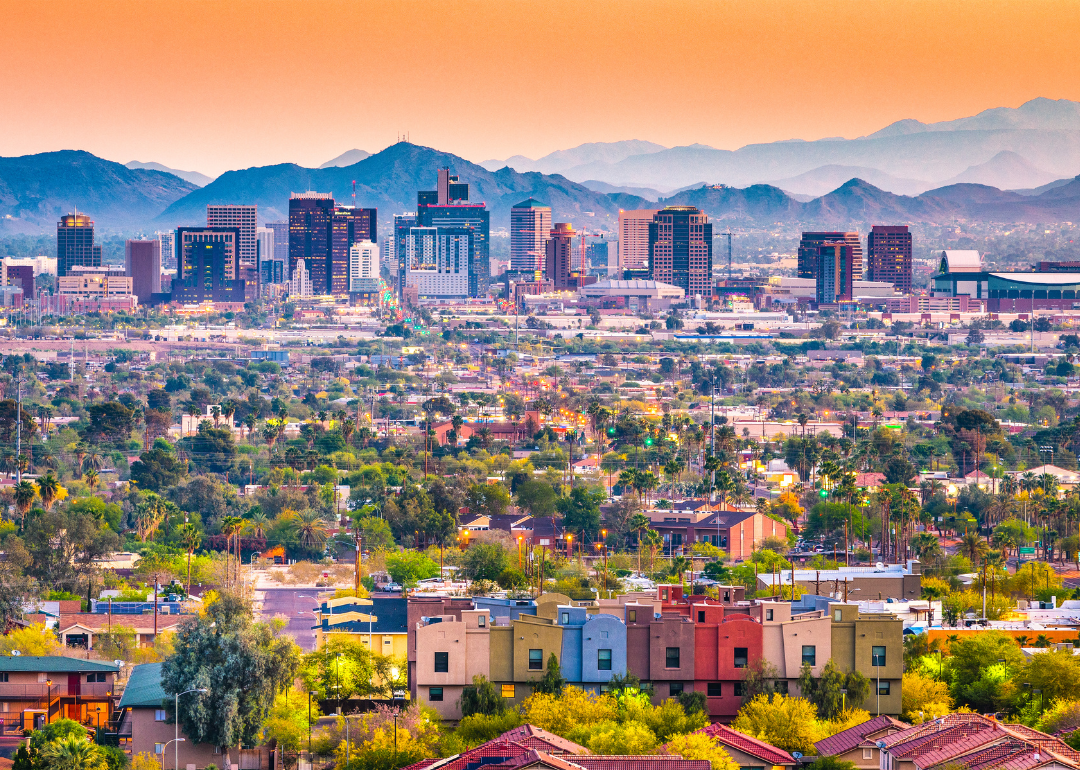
286, 602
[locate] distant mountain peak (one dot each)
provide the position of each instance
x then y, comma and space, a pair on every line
346, 159
196, 178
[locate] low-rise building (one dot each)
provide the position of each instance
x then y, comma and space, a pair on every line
858, 744
38, 689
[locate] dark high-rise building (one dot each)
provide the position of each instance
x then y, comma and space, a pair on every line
21, 276
209, 265
680, 249
888, 255
448, 206
142, 264
834, 272
321, 233
75, 243
808, 252
596, 257
558, 253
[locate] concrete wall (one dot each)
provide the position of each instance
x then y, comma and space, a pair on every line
671, 631
853, 637
534, 634
467, 645
147, 731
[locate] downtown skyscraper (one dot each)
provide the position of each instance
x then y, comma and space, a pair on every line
680, 249
888, 256
322, 233
530, 223
75, 244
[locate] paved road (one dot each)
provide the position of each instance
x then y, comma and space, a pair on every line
287, 602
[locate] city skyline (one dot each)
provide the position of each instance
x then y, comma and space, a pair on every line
757, 83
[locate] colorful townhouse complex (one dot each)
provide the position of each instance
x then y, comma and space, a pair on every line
673, 641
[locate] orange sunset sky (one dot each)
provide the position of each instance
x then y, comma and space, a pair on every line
211, 86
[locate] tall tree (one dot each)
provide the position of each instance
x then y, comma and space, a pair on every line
241, 663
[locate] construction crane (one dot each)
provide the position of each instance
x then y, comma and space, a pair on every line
586, 234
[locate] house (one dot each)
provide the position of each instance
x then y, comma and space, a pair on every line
748, 753
527, 747
858, 744
974, 740
890, 581
740, 532
77, 630
144, 728
380, 623
496, 431
36, 689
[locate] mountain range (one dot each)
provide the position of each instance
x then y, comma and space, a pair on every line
888, 176
36, 189
389, 181
1043, 133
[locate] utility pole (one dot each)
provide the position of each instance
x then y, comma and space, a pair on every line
18, 429
729, 255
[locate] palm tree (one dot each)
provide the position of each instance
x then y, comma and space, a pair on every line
92, 479
257, 523
215, 412
190, 538
250, 421
972, 546
49, 489
24, 495
638, 521
231, 526
309, 528
348, 427
73, 754
80, 455
679, 566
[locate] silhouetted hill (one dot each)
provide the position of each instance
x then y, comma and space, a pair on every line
36, 189
389, 180
757, 203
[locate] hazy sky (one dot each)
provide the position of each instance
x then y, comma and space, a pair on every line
211, 86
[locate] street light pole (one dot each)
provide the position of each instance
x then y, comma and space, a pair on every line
165, 749
176, 727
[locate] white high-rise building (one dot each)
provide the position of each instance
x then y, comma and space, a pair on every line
243, 217
634, 238
300, 285
167, 239
364, 266
42, 265
264, 238
438, 261
389, 253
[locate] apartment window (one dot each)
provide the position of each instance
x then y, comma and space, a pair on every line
837, 615
740, 689
633, 616
701, 616
442, 662
481, 620
877, 656
565, 618
867, 753
435, 694
159, 715
92, 677
508, 691
740, 657
536, 660
781, 686
675, 689
603, 660
768, 614
713, 690
159, 748
3, 677
809, 655
663, 594
883, 688
672, 658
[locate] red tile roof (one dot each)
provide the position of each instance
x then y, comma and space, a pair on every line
651, 762
534, 737
850, 738
747, 745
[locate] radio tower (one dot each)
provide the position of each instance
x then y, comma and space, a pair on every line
354, 199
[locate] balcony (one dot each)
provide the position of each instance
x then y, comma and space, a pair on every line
60, 689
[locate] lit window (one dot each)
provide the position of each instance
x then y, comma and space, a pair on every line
768, 614
883, 688
159, 748
633, 616
508, 691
